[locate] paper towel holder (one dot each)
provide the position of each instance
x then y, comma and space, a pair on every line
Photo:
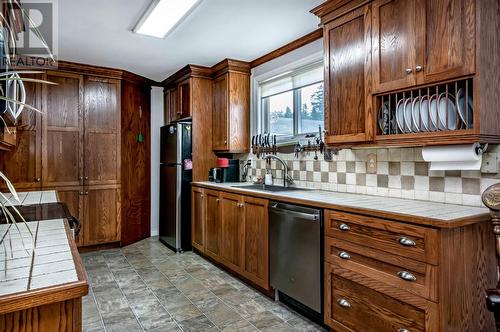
481, 148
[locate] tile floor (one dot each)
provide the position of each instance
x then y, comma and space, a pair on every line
147, 287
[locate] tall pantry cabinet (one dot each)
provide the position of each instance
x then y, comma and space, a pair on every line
77, 147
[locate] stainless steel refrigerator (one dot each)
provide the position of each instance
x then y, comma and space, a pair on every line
175, 186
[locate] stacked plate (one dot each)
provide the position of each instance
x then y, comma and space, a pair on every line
427, 113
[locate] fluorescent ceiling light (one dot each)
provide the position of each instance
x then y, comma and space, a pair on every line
162, 16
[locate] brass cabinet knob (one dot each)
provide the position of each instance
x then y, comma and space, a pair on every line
418, 68
37, 179
217, 200
403, 330
408, 71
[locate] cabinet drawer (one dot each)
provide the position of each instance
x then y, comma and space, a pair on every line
409, 275
359, 308
401, 239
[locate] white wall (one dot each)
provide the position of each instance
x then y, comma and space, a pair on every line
156, 122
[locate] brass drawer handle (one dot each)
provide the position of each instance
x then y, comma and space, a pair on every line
405, 275
403, 330
344, 303
404, 241
344, 227
344, 255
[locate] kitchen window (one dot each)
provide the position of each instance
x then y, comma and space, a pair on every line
292, 104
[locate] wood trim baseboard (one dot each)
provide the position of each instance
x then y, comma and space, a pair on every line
302, 41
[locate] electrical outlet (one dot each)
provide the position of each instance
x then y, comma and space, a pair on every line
371, 163
490, 163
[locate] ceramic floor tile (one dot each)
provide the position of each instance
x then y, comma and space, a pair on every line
147, 287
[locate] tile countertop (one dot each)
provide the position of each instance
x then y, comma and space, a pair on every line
38, 256
417, 212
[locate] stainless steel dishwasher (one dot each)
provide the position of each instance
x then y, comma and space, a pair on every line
295, 250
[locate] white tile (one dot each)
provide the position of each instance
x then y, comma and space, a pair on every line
350, 178
408, 194
395, 182
421, 183
422, 195
371, 180
395, 192
360, 167
309, 165
52, 279
371, 190
361, 190
341, 167
452, 185
435, 196
302, 176
382, 155
13, 286
324, 166
349, 155
394, 154
453, 198
382, 167
485, 183
351, 188
383, 191
472, 200
407, 168
418, 154
317, 176
342, 188
332, 177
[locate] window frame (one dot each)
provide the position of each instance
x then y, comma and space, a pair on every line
261, 122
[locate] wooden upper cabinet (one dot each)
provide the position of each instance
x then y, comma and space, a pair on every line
348, 77
198, 219
231, 107
394, 44
231, 231
102, 131
213, 227
184, 107
422, 41
447, 39
62, 150
178, 101
220, 129
256, 241
23, 164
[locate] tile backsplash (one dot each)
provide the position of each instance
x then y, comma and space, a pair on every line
400, 173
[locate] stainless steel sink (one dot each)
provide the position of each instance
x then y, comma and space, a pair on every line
263, 187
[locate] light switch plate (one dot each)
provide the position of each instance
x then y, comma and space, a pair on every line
371, 163
490, 163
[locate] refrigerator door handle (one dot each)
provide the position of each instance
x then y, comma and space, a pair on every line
178, 209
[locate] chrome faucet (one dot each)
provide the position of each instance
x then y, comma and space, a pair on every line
287, 179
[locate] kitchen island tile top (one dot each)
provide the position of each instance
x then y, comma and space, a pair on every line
397, 206
29, 262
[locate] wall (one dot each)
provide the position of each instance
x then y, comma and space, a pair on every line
400, 173
156, 122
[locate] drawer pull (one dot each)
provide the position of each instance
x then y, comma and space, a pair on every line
344, 227
344, 303
403, 330
404, 241
344, 255
405, 275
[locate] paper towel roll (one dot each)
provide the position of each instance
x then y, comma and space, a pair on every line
453, 157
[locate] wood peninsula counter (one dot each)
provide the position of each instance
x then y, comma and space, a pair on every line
42, 279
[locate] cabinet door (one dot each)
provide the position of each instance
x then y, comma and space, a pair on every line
394, 44
212, 224
173, 104
184, 107
62, 146
446, 39
101, 216
220, 127
166, 107
256, 241
102, 131
231, 231
347, 79
198, 219
73, 198
23, 164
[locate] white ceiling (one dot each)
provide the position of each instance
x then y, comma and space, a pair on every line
98, 32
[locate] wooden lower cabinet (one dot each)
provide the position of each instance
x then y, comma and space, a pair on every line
235, 232
232, 227
382, 275
256, 241
213, 227
197, 215
101, 210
